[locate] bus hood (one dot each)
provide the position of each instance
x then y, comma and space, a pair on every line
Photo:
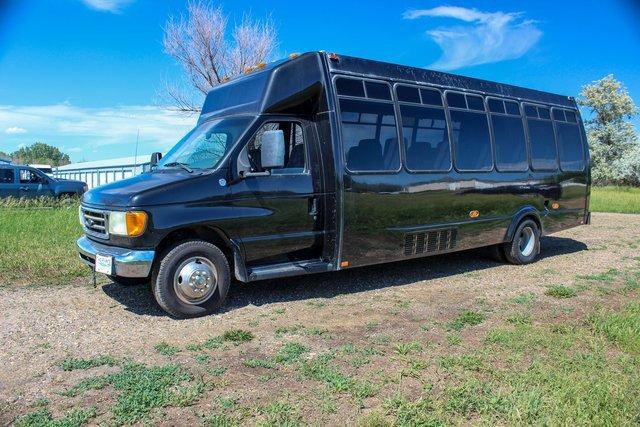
156, 188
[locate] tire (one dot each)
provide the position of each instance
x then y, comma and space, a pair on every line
525, 246
191, 280
128, 281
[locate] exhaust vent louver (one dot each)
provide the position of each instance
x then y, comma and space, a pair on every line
430, 241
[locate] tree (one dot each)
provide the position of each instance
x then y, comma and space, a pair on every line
209, 56
613, 142
40, 153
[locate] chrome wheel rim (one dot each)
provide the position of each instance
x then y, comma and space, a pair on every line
527, 241
195, 280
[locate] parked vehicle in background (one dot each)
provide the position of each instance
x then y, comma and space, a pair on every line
325, 162
26, 181
47, 169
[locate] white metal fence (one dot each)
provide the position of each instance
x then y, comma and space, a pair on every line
101, 172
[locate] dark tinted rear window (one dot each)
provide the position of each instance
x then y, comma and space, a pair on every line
543, 146
511, 148
471, 142
350, 87
475, 103
6, 176
431, 97
570, 147
426, 140
456, 100
408, 94
378, 90
571, 116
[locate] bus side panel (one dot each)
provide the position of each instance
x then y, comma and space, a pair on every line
398, 216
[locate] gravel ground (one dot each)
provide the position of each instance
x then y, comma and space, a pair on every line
42, 325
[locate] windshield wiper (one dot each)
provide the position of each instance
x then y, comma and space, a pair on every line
182, 165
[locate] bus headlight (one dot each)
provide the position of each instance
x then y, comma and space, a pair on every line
130, 223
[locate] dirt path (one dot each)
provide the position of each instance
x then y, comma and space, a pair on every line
40, 326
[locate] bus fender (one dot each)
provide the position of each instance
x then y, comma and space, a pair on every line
527, 211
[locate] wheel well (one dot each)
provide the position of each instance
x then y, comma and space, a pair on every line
208, 234
515, 224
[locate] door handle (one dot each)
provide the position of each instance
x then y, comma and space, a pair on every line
313, 206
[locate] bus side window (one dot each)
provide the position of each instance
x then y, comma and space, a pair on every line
369, 136
542, 138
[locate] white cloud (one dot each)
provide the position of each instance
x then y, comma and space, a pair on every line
490, 37
113, 6
14, 130
108, 132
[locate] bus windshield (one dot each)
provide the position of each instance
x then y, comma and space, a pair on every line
206, 144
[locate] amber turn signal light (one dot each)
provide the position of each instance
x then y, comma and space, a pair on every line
474, 214
344, 264
555, 205
136, 223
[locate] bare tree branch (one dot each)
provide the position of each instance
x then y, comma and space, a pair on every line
199, 43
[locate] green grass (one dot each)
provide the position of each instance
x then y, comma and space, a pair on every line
141, 389
30, 233
560, 291
43, 418
166, 349
615, 199
72, 364
466, 318
237, 336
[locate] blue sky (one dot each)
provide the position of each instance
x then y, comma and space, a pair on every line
85, 75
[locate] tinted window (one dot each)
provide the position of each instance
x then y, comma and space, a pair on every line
475, 103
369, 135
511, 149
471, 140
496, 105
431, 97
543, 146
378, 90
6, 176
530, 111
456, 100
350, 87
571, 116
570, 147
426, 141
512, 108
558, 115
408, 94
543, 113
29, 177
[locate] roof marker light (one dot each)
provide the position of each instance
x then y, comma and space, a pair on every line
294, 55
333, 56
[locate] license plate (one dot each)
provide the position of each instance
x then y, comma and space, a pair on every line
104, 264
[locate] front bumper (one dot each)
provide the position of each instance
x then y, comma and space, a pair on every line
126, 262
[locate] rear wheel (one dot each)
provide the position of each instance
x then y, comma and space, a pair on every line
192, 279
128, 281
525, 246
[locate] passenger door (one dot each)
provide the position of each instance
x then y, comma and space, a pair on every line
33, 184
279, 210
8, 185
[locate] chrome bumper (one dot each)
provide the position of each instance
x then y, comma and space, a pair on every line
126, 262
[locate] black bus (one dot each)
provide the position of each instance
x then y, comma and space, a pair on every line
323, 162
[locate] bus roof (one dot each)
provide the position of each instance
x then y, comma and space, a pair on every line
377, 69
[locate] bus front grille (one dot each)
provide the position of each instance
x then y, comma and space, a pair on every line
430, 241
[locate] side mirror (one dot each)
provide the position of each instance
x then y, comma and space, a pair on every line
155, 158
272, 149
